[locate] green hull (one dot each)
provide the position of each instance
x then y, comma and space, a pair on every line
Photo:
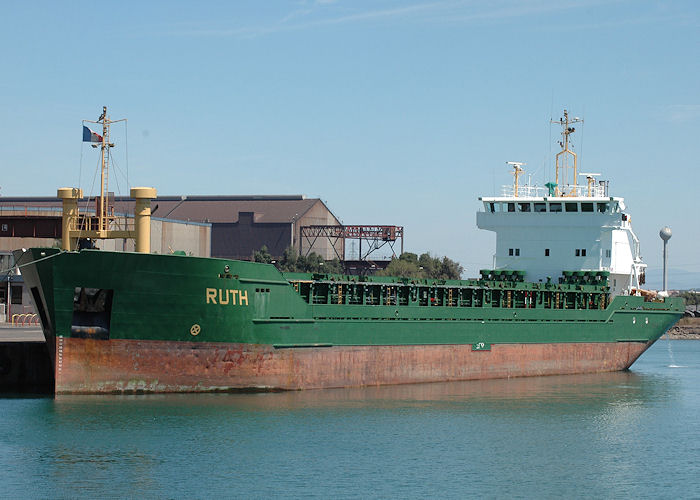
113, 297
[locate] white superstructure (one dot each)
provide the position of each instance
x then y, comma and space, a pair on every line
544, 231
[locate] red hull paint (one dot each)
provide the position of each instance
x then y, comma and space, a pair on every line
109, 366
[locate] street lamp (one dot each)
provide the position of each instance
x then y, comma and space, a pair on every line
665, 235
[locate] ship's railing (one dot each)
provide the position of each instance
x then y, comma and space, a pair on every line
524, 191
568, 190
496, 289
114, 223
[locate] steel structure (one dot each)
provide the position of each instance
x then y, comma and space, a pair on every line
375, 237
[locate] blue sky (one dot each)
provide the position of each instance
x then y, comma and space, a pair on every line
392, 112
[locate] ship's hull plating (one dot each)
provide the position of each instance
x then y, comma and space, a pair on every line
119, 322
128, 366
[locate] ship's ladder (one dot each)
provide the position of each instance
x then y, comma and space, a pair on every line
340, 294
449, 297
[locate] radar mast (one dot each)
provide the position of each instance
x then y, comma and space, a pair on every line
563, 157
102, 204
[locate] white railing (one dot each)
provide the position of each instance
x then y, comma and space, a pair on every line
524, 191
579, 191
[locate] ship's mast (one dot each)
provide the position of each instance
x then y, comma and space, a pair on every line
73, 230
103, 203
517, 170
565, 153
104, 178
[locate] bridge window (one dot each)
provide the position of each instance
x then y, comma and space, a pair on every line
524, 207
586, 207
572, 207
511, 207
494, 207
555, 207
602, 207
540, 207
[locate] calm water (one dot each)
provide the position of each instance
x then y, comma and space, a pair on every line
621, 435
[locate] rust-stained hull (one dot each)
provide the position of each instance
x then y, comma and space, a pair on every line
127, 366
120, 322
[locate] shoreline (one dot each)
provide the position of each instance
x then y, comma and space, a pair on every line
683, 332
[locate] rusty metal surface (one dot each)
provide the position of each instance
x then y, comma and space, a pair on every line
115, 366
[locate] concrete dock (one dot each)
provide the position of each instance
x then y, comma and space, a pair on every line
20, 333
25, 366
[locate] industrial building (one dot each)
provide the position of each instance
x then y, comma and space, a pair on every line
242, 224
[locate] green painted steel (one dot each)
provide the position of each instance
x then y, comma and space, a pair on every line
181, 298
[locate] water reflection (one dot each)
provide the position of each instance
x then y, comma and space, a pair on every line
553, 393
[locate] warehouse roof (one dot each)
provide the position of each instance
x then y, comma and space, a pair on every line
219, 208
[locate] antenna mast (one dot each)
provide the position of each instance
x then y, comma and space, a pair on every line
565, 153
517, 170
103, 206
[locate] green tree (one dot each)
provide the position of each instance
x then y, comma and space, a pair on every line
450, 270
407, 268
428, 264
262, 255
409, 257
690, 297
291, 261
409, 265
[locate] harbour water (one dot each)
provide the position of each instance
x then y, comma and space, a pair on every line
631, 434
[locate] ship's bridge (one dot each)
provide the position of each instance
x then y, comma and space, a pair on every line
544, 235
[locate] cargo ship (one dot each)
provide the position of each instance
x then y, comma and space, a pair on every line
563, 297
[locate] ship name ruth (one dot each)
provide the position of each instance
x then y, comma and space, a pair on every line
227, 297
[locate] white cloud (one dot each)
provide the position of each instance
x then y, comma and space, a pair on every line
330, 12
682, 113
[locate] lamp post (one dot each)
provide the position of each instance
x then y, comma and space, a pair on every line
665, 235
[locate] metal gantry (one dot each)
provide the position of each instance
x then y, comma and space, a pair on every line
375, 237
